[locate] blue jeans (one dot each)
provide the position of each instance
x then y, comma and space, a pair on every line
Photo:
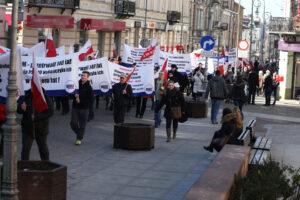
274, 91
169, 122
157, 116
215, 105
78, 121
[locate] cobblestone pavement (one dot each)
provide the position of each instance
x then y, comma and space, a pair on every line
98, 171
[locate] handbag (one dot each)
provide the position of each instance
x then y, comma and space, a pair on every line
176, 112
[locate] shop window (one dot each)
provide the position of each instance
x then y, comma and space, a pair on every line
82, 37
127, 36
117, 43
41, 35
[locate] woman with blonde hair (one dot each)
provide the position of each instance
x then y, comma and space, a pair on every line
238, 129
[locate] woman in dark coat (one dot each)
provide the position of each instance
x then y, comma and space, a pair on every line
238, 129
238, 93
172, 98
228, 125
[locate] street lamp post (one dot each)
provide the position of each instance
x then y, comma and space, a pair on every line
251, 30
237, 40
10, 158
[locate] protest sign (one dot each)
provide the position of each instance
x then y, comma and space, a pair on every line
59, 75
141, 81
99, 74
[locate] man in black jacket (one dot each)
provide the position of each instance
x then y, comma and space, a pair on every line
35, 126
121, 94
81, 104
253, 83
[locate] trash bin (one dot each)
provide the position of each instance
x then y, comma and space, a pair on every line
134, 136
196, 109
42, 180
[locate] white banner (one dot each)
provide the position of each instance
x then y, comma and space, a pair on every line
141, 81
59, 74
99, 74
4, 68
182, 61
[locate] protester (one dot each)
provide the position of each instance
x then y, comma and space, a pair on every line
275, 84
253, 83
261, 80
175, 105
268, 88
238, 92
245, 74
221, 136
35, 125
160, 87
121, 94
218, 92
197, 79
174, 79
228, 82
141, 103
81, 105
177, 76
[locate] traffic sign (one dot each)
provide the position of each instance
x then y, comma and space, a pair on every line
208, 54
207, 43
243, 45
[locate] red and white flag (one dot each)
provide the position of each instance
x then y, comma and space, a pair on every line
50, 47
86, 50
150, 50
164, 69
224, 51
39, 101
129, 75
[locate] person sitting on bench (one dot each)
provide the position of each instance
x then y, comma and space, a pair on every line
238, 129
222, 136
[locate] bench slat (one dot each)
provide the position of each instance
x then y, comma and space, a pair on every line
262, 143
264, 157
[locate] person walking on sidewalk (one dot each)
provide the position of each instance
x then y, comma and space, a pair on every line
218, 92
268, 88
175, 104
35, 126
275, 84
253, 82
160, 87
81, 105
238, 92
121, 94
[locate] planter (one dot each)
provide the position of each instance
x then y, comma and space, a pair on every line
42, 180
134, 136
196, 109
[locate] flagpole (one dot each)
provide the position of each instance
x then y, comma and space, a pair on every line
237, 40
9, 188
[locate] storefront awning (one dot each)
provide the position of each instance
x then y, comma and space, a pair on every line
283, 46
50, 21
102, 25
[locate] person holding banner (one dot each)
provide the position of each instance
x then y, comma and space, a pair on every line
81, 105
175, 105
121, 94
35, 125
160, 87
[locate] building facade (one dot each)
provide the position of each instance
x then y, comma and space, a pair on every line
107, 23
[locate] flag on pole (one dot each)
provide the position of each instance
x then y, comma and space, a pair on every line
20, 75
164, 69
86, 50
224, 51
150, 50
129, 75
50, 47
39, 101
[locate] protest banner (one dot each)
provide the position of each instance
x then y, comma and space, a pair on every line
4, 68
133, 55
59, 74
141, 81
182, 61
99, 74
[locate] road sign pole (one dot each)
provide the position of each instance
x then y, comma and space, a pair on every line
237, 41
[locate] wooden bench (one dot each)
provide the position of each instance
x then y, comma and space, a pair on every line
217, 181
262, 143
258, 156
245, 138
251, 127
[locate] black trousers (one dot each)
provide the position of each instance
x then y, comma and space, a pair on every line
41, 140
251, 97
62, 102
140, 110
119, 113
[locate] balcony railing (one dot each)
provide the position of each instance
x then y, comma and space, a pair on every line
281, 25
64, 4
